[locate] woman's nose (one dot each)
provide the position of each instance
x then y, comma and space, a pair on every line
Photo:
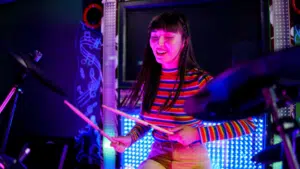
161, 41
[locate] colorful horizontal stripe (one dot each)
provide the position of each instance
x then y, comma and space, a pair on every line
175, 116
226, 130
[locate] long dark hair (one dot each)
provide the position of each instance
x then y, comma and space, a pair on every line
149, 76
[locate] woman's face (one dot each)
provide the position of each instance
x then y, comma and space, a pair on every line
166, 47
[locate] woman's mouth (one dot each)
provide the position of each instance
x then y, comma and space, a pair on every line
161, 52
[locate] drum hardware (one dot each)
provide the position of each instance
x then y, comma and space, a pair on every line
29, 67
251, 89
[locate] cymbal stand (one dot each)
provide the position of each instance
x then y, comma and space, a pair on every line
14, 91
294, 138
270, 97
6, 161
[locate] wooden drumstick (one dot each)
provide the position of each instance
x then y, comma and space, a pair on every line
81, 115
126, 115
137, 120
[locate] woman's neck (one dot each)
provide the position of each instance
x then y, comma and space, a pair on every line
169, 66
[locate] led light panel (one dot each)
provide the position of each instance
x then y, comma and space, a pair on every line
225, 154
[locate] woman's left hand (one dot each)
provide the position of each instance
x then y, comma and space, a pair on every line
184, 135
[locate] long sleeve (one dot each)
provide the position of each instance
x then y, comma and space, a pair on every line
226, 130
138, 131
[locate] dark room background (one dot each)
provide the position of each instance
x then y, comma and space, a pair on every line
71, 60
223, 33
50, 26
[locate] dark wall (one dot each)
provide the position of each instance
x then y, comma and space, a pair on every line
223, 33
50, 26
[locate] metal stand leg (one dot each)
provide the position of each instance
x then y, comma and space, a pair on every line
6, 161
63, 157
7, 130
270, 97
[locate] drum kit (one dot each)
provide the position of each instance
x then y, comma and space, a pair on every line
251, 89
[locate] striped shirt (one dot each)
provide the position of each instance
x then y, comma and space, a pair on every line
176, 116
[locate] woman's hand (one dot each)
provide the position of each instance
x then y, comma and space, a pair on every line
121, 143
185, 135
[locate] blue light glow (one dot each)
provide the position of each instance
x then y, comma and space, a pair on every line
225, 154
297, 34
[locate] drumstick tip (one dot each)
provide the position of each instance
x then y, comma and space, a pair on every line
66, 102
104, 106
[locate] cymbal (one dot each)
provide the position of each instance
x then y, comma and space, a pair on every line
30, 67
236, 93
274, 153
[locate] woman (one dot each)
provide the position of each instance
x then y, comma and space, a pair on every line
169, 75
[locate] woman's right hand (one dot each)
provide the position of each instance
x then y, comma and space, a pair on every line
120, 143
